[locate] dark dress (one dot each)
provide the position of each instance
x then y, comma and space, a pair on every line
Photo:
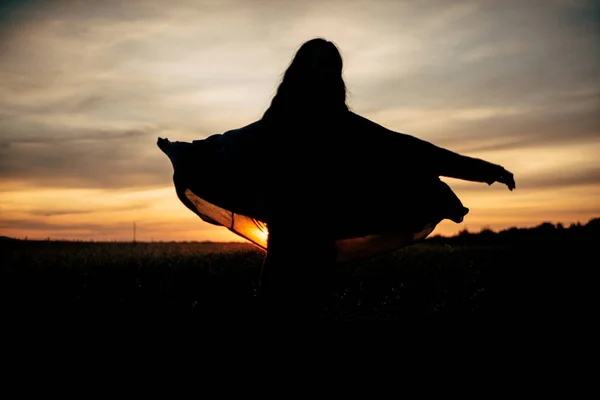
374, 190
325, 190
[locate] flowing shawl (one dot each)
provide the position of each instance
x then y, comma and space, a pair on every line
385, 187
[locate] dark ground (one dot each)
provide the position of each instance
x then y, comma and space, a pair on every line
517, 275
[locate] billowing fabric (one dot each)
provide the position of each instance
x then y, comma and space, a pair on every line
382, 189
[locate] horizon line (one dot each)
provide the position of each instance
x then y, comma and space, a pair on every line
465, 230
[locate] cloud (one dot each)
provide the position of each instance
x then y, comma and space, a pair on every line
541, 178
85, 89
37, 224
543, 128
563, 180
53, 212
100, 159
539, 59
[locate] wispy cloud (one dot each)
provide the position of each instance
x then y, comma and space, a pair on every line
78, 211
89, 160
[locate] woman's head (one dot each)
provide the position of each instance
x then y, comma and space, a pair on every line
313, 81
316, 60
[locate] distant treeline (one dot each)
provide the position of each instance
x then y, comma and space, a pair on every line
545, 232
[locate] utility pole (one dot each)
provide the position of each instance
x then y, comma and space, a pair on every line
134, 232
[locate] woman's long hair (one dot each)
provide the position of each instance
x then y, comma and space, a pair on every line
312, 85
308, 102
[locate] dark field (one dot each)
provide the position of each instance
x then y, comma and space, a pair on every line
527, 275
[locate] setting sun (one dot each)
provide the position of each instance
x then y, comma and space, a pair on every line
263, 235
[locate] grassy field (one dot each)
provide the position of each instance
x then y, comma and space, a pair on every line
216, 283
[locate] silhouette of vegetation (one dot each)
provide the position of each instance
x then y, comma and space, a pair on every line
543, 233
518, 274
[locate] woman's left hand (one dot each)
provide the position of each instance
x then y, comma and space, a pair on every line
507, 178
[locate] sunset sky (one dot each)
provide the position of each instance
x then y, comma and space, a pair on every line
86, 87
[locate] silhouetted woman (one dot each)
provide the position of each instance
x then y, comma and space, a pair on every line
314, 147
298, 132
329, 175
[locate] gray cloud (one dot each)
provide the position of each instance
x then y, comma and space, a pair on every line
93, 160
556, 179
78, 211
85, 89
96, 228
82, 136
544, 128
563, 179
541, 58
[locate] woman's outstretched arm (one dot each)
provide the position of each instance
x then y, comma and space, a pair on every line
427, 157
447, 163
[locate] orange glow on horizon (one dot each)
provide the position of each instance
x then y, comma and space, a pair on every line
160, 216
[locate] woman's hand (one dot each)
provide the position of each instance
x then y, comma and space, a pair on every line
507, 178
